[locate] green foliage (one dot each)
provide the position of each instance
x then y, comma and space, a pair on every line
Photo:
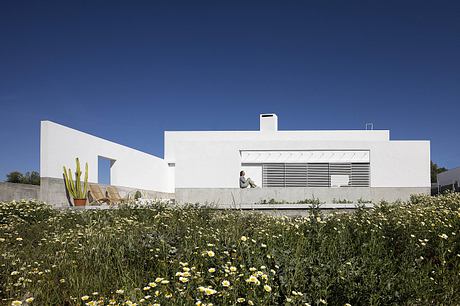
435, 170
14, 177
314, 201
32, 178
75, 189
137, 195
363, 201
404, 254
271, 201
341, 201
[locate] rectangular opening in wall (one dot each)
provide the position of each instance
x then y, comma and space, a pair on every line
315, 175
104, 165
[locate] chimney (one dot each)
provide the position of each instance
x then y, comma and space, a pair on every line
268, 122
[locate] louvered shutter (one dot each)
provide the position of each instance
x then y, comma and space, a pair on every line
296, 175
318, 175
273, 175
314, 174
360, 174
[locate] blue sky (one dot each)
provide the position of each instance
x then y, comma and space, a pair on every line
128, 70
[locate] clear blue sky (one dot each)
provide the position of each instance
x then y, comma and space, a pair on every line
128, 70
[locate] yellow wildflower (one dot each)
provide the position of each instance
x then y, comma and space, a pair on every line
183, 279
84, 298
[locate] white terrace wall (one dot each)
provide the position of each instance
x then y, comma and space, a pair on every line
60, 145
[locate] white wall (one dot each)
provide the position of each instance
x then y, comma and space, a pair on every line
60, 145
172, 138
213, 160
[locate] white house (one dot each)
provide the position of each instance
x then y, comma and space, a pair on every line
289, 166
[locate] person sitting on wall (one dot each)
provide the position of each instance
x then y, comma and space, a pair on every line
246, 182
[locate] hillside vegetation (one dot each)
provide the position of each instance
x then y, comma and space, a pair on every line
407, 253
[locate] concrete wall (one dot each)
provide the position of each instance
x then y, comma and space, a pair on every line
53, 192
213, 159
237, 196
60, 145
12, 191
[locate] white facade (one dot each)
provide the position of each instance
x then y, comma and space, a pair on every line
60, 145
213, 159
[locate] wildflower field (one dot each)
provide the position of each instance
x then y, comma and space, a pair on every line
407, 253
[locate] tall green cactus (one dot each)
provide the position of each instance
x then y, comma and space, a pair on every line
74, 188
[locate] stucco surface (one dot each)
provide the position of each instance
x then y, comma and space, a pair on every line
213, 160
60, 145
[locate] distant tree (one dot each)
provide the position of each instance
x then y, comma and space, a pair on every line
14, 177
32, 178
435, 170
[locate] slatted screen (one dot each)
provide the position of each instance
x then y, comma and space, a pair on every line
360, 174
273, 175
313, 174
317, 175
295, 175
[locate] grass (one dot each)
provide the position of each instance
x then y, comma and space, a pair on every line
394, 254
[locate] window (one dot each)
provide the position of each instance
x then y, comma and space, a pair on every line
315, 174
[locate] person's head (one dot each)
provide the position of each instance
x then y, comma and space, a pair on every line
242, 173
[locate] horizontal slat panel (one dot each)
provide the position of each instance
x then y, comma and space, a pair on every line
318, 175
314, 174
360, 174
296, 175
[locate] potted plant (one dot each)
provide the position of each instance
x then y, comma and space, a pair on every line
75, 189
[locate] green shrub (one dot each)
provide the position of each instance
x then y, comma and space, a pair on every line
137, 195
341, 201
32, 178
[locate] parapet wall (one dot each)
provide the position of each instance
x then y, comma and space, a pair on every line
13, 191
53, 191
237, 196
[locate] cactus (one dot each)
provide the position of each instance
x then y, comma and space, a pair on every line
75, 188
